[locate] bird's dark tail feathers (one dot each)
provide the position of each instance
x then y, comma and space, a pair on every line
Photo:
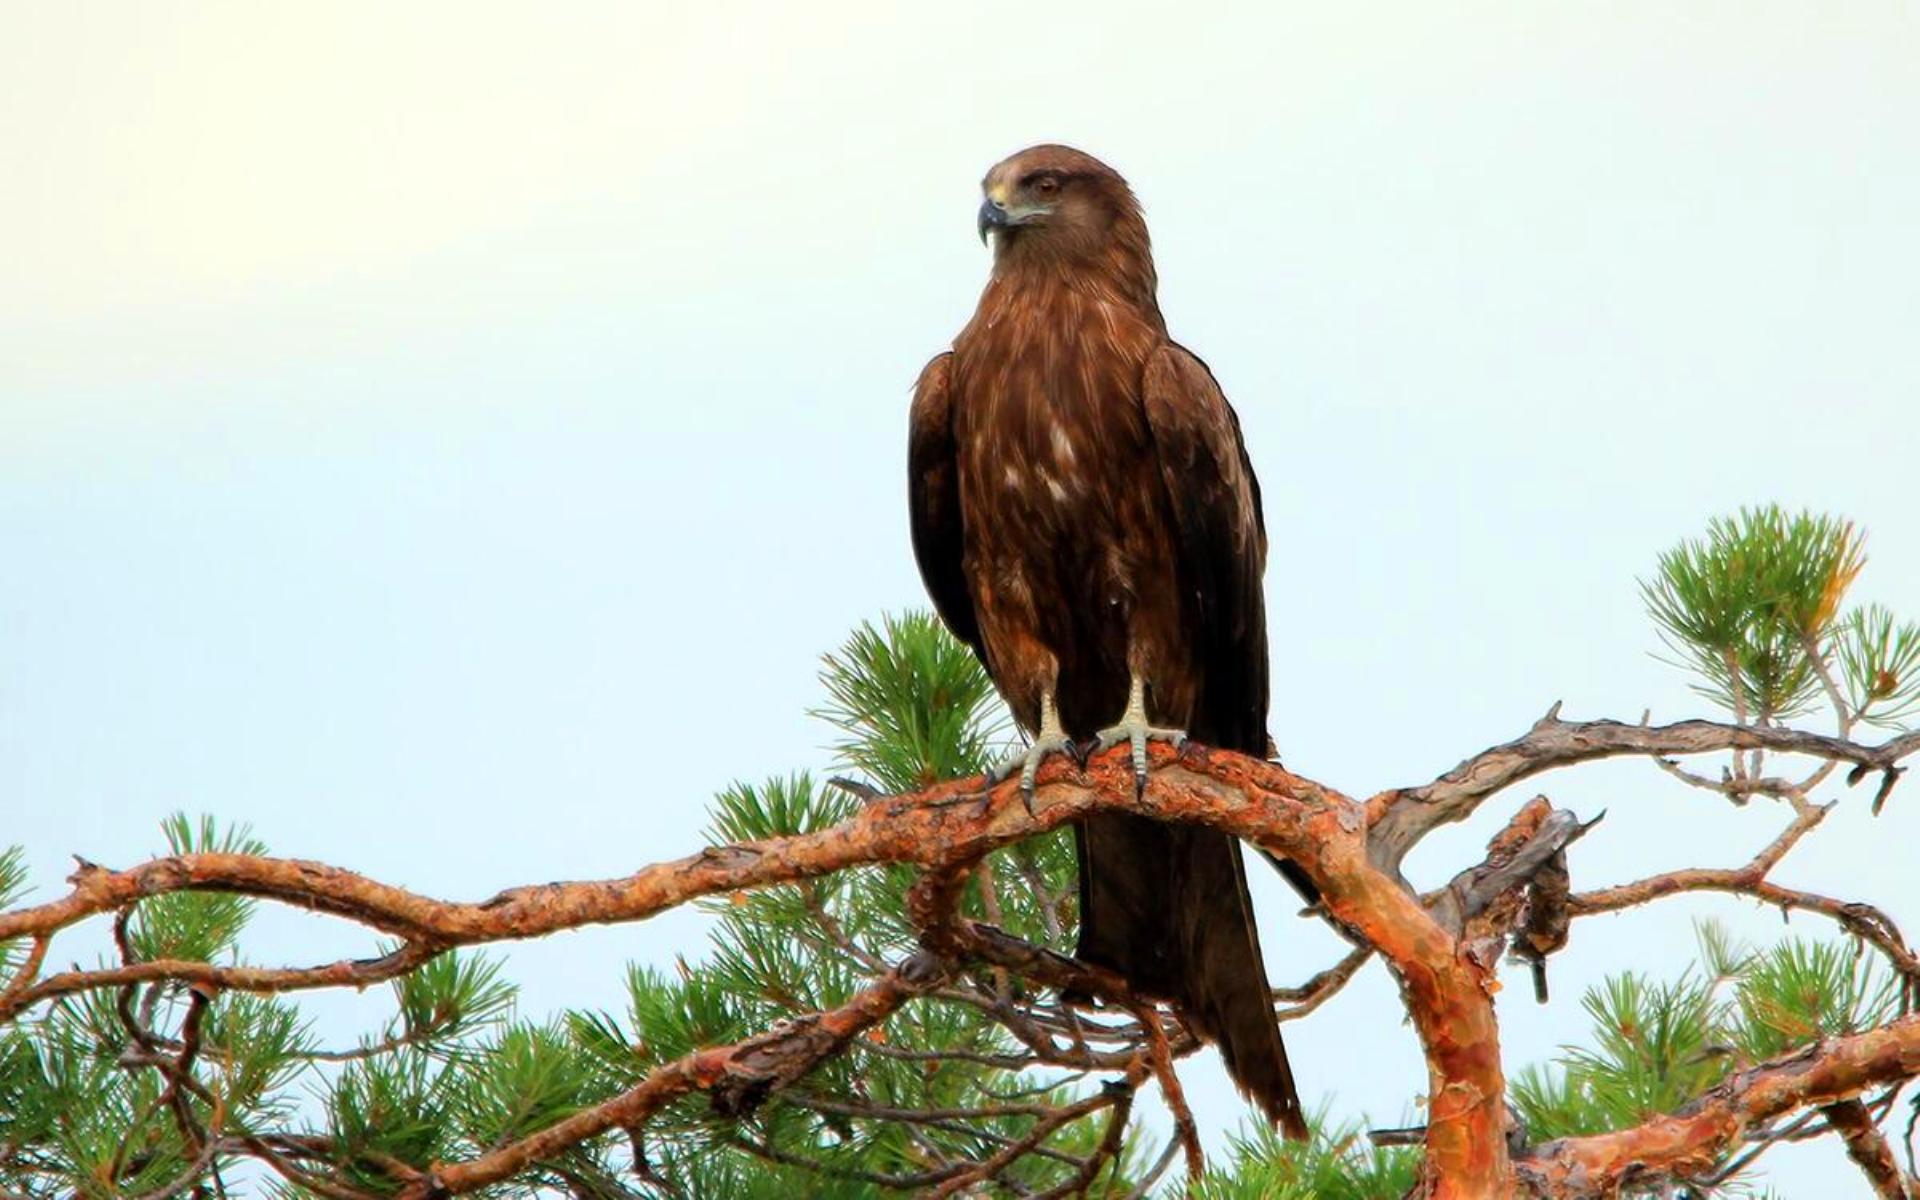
1167, 907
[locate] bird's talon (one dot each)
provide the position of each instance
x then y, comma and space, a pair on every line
1134, 731
1027, 763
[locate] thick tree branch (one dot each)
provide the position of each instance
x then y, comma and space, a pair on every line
941, 829
1349, 851
1863, 920
1399, 818
1869, 1149
1686, 1144
736, 1076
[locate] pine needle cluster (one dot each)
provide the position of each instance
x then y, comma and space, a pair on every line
1755, 610
1656, 1045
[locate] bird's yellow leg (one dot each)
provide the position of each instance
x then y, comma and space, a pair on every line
1135, 730
1050, 739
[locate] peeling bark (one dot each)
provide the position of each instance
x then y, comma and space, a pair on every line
1439, 951
1687, 1143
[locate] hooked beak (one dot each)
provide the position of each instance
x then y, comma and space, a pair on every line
992, 216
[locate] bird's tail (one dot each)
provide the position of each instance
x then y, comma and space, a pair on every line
1166, 906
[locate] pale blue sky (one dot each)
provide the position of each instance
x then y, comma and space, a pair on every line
446, 437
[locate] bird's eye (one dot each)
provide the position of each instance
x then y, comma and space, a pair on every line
1046, 185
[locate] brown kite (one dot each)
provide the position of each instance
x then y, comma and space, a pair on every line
1086, 519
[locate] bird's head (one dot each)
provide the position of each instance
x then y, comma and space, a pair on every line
1057, 200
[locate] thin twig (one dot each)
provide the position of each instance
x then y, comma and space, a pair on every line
1114, 1092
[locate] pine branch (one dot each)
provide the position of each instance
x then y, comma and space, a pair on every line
1862, 920
797, 978
738, 1077
1869, 1149
944, 829
1687, 1141
1399, 818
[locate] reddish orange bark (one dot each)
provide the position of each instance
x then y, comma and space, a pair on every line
1690, 1140
1349, 850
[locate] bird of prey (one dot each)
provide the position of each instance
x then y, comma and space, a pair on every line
1085, 517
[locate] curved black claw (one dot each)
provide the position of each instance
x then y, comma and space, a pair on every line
1080, 751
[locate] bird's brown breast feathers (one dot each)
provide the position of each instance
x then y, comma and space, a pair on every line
1068, 542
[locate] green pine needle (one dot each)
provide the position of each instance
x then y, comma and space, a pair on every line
199, 926
452, 1075
392, 1106
1743, 606
915, 705
1801, 991
531, 1076
1336, 1163
450, 998
777, 808
1880, 664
